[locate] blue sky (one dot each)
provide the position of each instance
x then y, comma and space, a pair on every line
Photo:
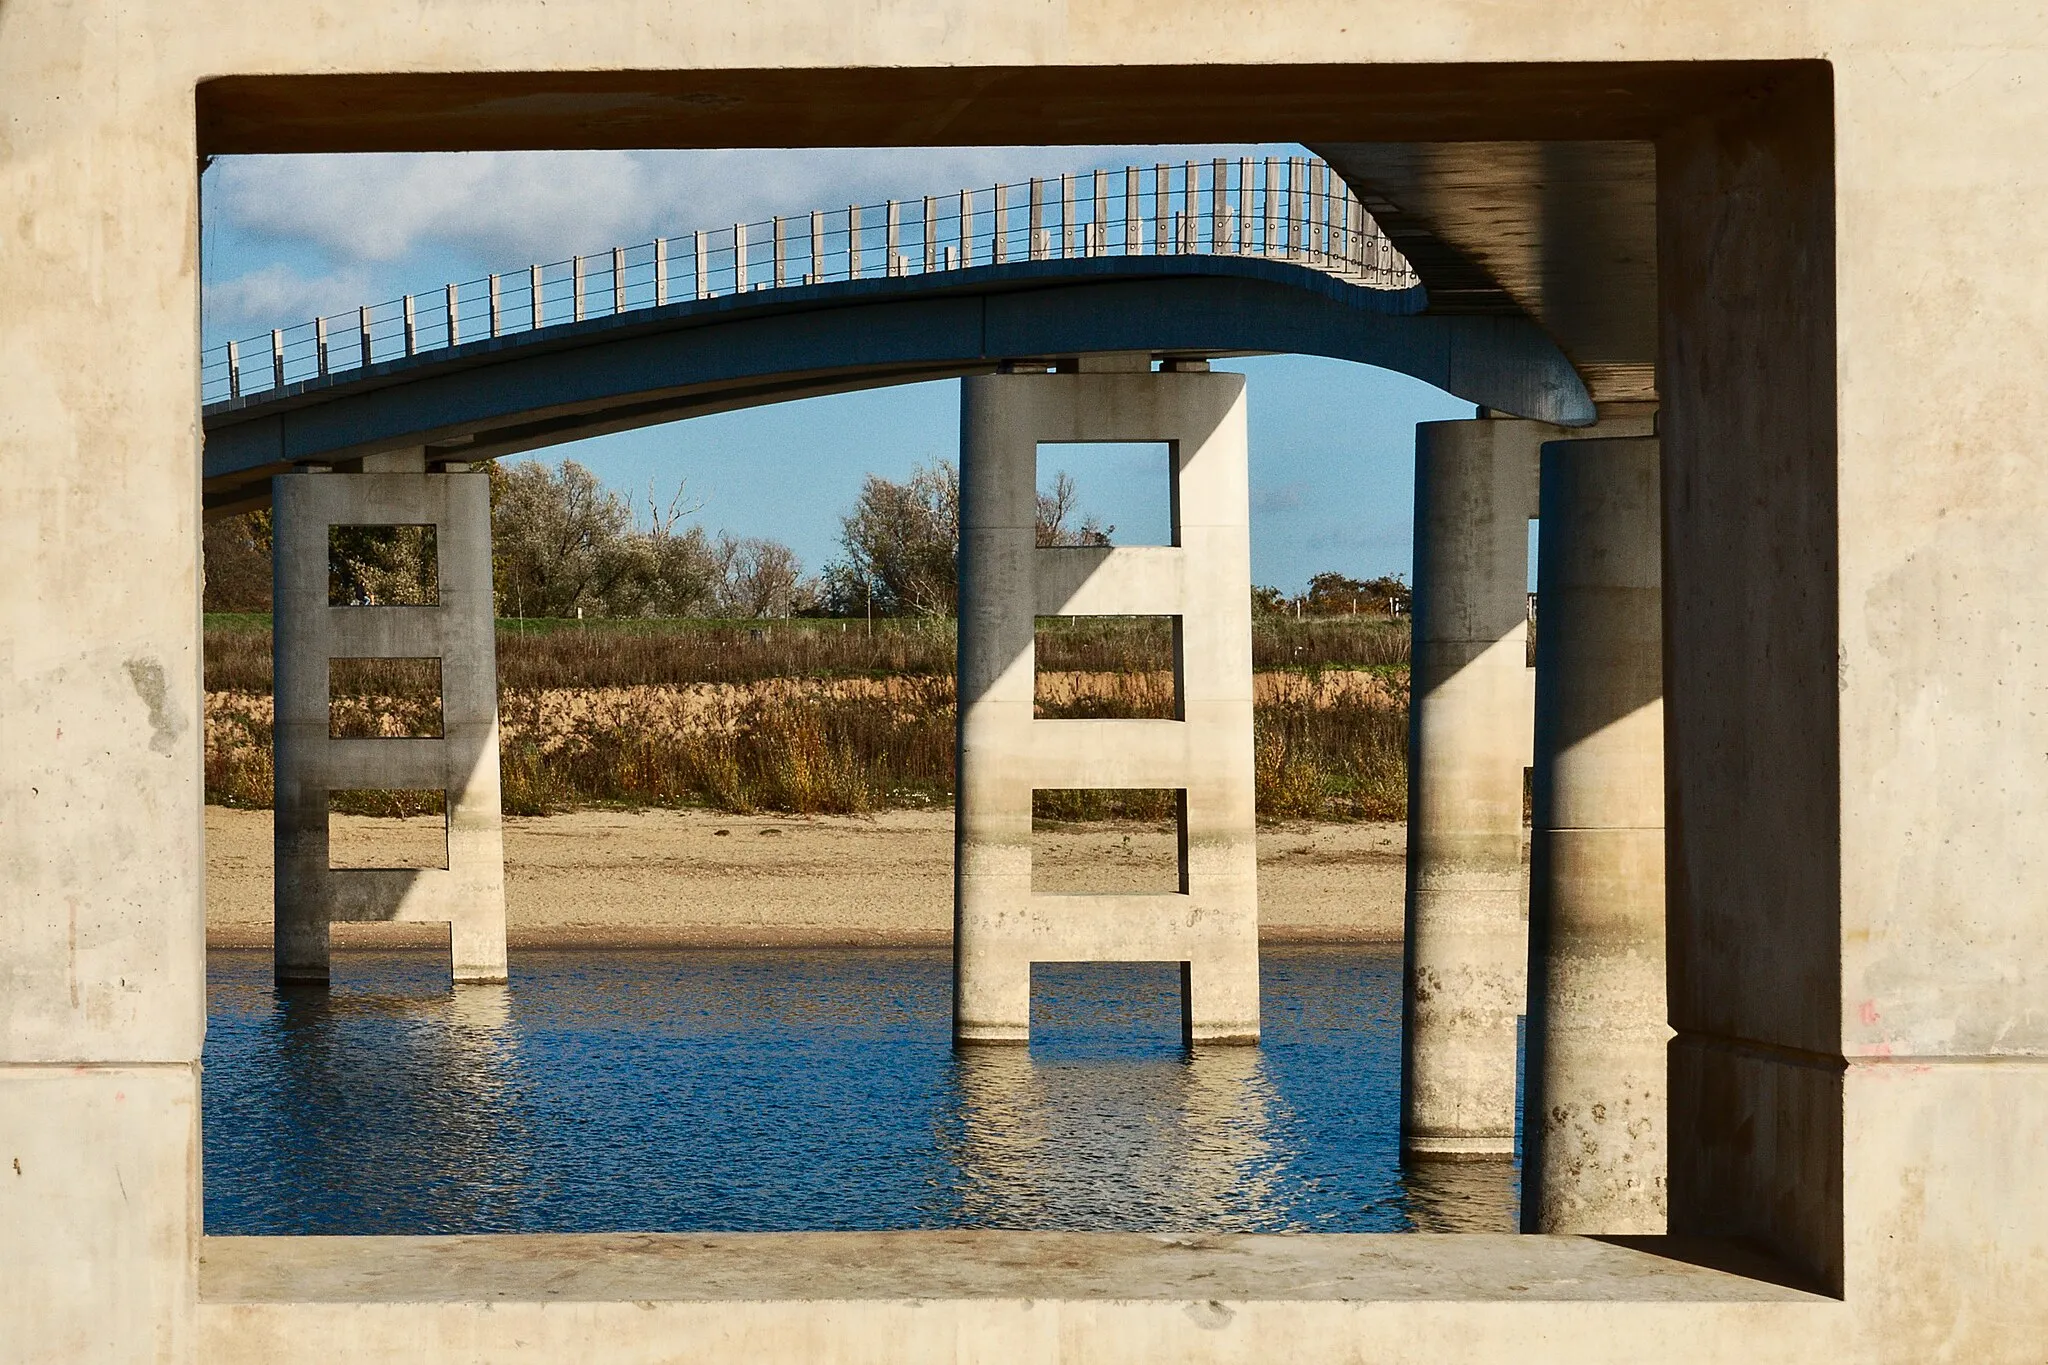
284, 238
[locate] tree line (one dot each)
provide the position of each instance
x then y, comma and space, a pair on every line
564, 545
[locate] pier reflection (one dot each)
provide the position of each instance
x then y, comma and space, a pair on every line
1167, 1143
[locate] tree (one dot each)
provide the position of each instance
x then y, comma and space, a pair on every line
1056, 506
563, 541
1333, 594
759, 578
237, 562
901, 542
900, 546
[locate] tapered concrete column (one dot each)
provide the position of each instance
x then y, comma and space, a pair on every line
1594, 1154
1469, 710
1210, 925
468, 893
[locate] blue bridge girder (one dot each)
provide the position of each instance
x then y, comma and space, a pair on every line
527, 390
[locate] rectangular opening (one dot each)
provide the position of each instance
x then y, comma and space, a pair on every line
387, 827
1114, 667
1107, 493
1089, 1010
1099, 841
383, 566
384, 698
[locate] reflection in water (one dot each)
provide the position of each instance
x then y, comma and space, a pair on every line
791, 1089
1463, 1196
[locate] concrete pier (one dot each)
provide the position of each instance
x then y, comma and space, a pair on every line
1203, 581
1594, 1157
1469, 709
468, 893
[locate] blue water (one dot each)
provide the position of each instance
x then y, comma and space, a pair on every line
760, 1090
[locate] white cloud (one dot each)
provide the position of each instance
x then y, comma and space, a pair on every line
280, 295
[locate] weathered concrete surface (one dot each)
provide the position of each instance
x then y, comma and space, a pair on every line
1595, 1136
1203, 580
1469, 743
1850, 356
1108, 1297
467, 891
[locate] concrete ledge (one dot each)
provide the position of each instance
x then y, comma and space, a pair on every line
1022, 1295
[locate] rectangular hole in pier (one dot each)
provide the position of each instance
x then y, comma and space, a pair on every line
1117, 667
384, 698
1102, 840
1106, 493
383, 566
1093, 1008
387, 827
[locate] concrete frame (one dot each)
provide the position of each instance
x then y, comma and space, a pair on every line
1849, 366
1595, 1139
468, 894
1210, 926
1471, 702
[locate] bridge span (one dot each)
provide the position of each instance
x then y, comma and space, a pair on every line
1195, 260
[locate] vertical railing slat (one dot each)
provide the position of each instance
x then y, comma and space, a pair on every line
618, 280
535, 280
363, 333
497, 306
966, 228
1098, 219
1134, 225
739, 258
320, 343
817, 271
454, 304
781, 253
1002, 213
931, 234
411, 328
853, 242
661, 272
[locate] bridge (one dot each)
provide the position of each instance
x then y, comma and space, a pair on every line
1194, 259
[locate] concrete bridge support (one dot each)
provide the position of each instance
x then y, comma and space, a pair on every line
1475, 492
1202, 580
468, 893
1594, 1150
1466, 984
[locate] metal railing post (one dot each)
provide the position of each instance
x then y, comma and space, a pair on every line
411, 328
1297, 212
1162, 195
1219, 205
234, 369
853, 241
966, 228
817, 271
576, 295
701, 250
534, 282
454, 316
931, 234
661, 272
1244, 205
1268, 244
1098, 220
1134, 224
618, 279
1002, 207
739, 258
363, 333
1035, 244
276, 361
781, 253
320, 343
892, 258
497, 306
1066, 215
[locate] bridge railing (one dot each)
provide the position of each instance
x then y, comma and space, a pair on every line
1284, 208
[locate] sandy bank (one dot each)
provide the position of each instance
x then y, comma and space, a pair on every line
662, 878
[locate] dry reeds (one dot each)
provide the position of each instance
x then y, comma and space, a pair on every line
819, 720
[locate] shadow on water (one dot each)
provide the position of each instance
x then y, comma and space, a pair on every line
700, 1090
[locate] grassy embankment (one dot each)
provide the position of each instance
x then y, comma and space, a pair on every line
828, 716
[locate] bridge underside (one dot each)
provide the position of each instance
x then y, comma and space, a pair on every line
529, 390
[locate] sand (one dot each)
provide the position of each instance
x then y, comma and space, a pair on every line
663, 878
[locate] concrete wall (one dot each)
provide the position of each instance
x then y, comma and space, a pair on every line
1849, 264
